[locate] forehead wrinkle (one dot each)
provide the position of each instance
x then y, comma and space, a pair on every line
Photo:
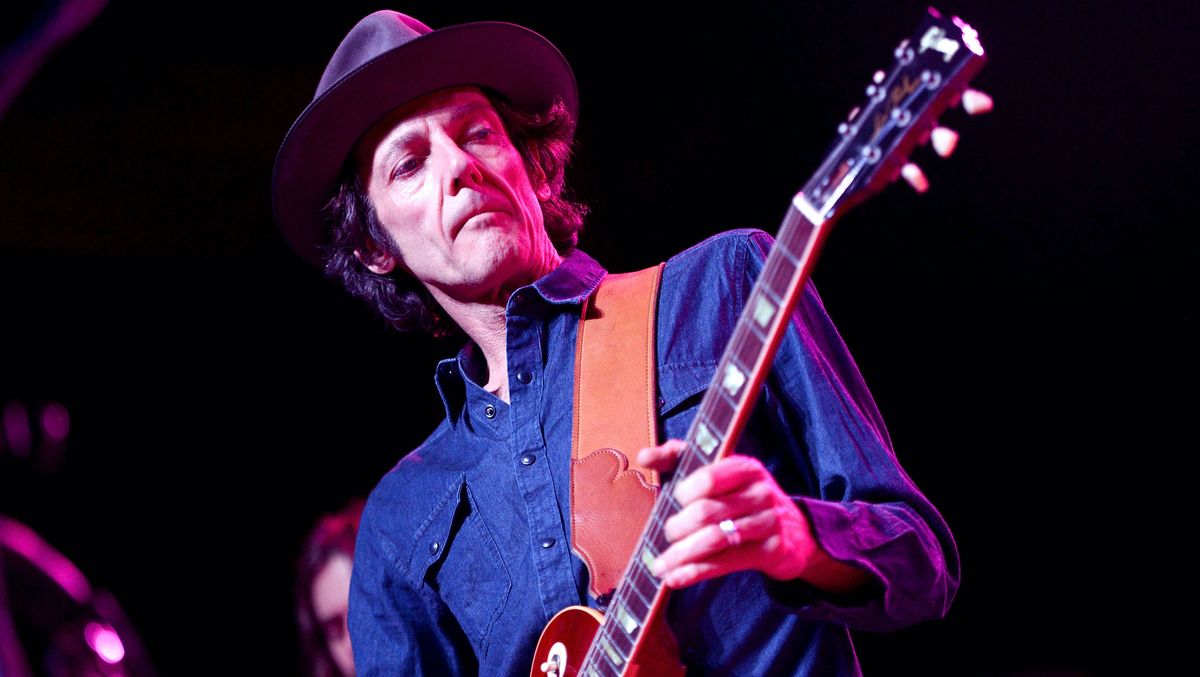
398, 144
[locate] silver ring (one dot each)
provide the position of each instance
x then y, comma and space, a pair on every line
732, 535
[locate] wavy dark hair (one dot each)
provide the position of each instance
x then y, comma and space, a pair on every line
334, 534
543, 140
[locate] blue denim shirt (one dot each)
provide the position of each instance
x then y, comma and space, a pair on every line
463, 552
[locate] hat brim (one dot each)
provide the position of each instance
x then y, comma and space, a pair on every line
514, 60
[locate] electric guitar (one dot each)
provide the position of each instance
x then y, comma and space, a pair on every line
929, 75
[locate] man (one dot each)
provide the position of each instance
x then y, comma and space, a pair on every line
427, 176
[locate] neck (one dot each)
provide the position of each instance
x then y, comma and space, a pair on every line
484, 322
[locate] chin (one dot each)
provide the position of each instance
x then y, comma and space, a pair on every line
501, 259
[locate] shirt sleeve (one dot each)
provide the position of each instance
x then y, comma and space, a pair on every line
866, 511
397, 627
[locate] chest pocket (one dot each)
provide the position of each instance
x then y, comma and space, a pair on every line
681, 387
456, 556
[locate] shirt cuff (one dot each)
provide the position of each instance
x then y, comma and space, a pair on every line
828, 523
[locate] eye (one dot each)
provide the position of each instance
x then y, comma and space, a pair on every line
482, 133
407, 167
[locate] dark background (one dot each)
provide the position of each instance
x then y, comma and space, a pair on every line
1019, 324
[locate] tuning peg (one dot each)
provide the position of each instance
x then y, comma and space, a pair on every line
915, 177
944, 140
976, 102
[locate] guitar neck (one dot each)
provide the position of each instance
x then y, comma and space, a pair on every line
715, 429
932, 70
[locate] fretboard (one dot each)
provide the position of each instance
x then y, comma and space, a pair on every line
715, 429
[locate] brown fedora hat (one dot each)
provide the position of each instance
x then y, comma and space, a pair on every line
387, 59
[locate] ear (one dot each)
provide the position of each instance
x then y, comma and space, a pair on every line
540, 184
379, 262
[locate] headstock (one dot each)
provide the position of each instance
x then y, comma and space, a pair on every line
930, 74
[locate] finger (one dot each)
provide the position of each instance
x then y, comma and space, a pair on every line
706, 542
757, 554
719, 565
662, 457
976, 102
706, 511
944, 140
725, 562
722, 477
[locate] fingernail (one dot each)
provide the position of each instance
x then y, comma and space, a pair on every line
656, 567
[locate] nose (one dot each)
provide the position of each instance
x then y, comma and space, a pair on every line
460, 170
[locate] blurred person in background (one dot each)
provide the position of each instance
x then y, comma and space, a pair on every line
323, 593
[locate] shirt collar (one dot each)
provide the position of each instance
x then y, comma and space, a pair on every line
570, 283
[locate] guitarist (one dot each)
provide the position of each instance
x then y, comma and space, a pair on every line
427, 176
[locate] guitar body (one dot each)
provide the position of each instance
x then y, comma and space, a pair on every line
567, 637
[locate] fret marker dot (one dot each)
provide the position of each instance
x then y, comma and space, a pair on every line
705, 439
628, 622
647, 558
734, 378
764, 310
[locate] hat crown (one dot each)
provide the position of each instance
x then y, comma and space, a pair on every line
375, 34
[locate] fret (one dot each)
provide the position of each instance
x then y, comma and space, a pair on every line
614, 656
732, 381
766, 290
749, 349
631, 595
647, 557
797, 230
668, 504
719, 411
609, 659
752, 328
692, 459
618, 640
779, 278
625, 620
705, 439
763, 311
645, 597
783, 246
658, 538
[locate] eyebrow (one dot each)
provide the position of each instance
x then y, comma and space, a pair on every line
394, 148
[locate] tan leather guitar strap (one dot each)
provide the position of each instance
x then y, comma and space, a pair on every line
611, 494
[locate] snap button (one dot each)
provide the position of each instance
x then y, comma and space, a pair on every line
524, 376
489, 411
434, 547
528, 459
548, 543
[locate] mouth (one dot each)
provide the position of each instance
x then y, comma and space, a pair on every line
490, 206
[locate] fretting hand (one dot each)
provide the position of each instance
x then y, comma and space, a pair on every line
735, 517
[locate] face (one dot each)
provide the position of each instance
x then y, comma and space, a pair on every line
331, 602
454, 194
